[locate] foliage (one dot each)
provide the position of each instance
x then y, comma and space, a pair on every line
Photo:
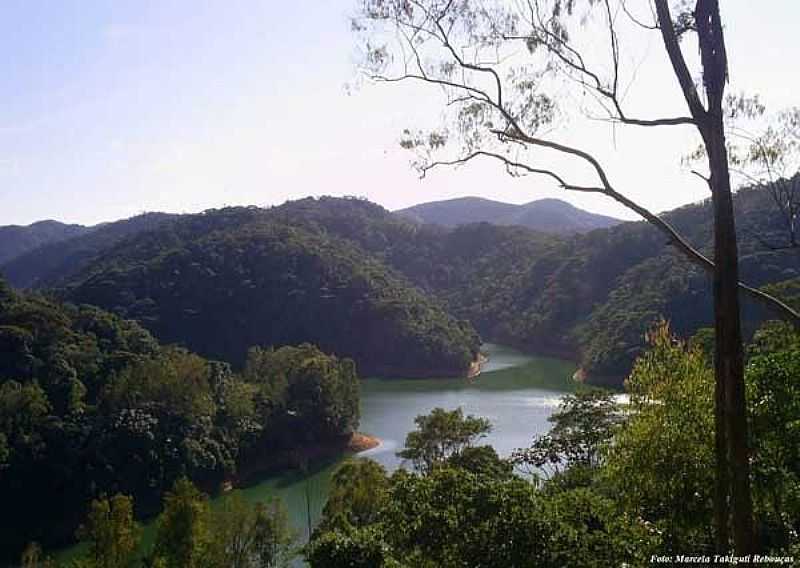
665, 450
91, 405
225, 280
183, 537
111, 532
441, 435
357, 493
189, 533
452, 517
584, 422
245, 536
774, 396
482, 460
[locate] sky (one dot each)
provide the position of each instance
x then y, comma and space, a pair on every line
113, 108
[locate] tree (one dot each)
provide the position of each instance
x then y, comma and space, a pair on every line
245, 536
32, 557
665, 451
183, 536
495, 62
482, 460
358, 490
584, 422
767, 157
111, 532
440, 435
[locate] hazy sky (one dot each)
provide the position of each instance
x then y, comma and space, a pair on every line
109, 109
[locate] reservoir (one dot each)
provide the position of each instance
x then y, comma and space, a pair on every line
516, 392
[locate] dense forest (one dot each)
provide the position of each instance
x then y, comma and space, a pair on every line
606, 486
588, 297
16, 240
43, 265
228, 279
91, 405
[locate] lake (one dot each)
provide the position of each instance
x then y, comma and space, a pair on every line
516, 392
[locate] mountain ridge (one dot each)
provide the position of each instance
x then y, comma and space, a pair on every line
17, 240
549, 215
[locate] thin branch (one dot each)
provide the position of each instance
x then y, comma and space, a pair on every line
514, 165
636, 20
677, 239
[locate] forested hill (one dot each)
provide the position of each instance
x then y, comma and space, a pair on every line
92, 405
547, 215
224, 280
16, 240
52, 261
590, 296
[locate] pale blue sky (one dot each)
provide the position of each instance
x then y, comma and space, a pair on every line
111, 108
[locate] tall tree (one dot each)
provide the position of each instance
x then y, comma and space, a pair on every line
499, 65
111, 532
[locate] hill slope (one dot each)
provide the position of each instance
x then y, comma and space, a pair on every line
16, 240
590, 297
547, 215
48, 264
92, 405
225, 280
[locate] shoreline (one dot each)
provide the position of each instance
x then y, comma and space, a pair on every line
476, 367
296, 459
360, 442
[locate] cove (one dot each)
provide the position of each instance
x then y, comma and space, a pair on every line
516, 392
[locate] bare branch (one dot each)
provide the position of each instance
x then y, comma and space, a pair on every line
514, 165
636, 20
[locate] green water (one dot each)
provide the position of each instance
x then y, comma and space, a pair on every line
516, 392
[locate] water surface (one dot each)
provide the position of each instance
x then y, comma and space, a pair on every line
516, 392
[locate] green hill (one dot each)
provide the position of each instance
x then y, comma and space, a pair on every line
91, 405
16, 240
224, 280
591, 296
46, 265
586, 296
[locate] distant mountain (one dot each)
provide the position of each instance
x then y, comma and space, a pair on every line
50, 262
547, 215
16, 240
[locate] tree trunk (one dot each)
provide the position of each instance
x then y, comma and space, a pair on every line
729, 357
732, 497
728, 350
722, 479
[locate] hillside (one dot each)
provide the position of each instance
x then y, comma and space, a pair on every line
47, 264
590, 297
16, 240
546, 215
91, 404
225, 280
